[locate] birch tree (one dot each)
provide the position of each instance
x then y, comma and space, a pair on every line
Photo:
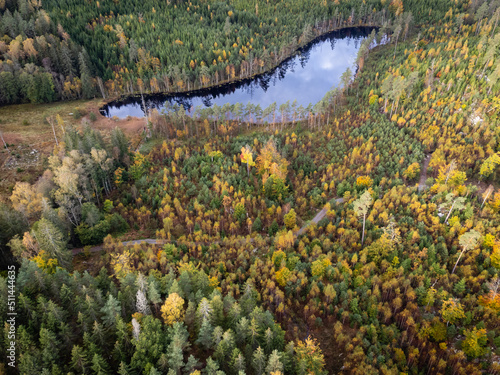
487, 194
361, 207
457, 203
468, 241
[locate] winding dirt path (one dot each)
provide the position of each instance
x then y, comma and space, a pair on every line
152, 241
316, 219
423, 173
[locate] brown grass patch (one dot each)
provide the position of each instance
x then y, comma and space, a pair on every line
31, 139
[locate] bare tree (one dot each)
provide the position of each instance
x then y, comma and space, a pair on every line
50, 120
141, 304
397, 33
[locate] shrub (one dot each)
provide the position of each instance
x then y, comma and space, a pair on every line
93, 235
257, 225
273, 229
77, 113
117, 223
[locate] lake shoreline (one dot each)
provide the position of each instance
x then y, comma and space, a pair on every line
123, 100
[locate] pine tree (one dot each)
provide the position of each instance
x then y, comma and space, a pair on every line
52, 241
79, 360
67, 60
153, 294
237, 361
205, 334
49, 347
9, 89
259, 361
175, 349
212, 367
191, 365
227, 26
88, 90
99, 365
204, 310
111, 310
242, 331
133, 50
274, 363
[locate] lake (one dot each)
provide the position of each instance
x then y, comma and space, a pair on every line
305, 77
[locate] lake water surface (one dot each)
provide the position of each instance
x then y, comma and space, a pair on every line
305, 77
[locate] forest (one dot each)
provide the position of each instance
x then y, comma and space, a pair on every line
67, 49
360, 235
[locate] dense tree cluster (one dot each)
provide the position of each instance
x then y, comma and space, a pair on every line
93, 326
66, 50
39, 62
392, 278
137, 48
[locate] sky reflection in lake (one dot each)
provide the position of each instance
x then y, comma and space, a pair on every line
305, 78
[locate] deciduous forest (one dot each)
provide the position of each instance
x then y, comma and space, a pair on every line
360, 235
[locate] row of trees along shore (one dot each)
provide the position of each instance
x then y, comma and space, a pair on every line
51, 53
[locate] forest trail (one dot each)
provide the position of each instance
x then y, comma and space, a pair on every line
423, 174
316, 219
152, 241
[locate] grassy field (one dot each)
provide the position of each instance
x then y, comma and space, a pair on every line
30, 137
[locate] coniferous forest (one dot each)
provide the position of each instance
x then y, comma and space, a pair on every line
359, 235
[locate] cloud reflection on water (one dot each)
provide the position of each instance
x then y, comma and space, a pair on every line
305, 78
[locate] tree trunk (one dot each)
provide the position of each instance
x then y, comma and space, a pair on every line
449, 213
3, 140
478, 27
363, 236
485, 198
485, 66
51, 121
495, 27
396, 46
458, 260
101, 87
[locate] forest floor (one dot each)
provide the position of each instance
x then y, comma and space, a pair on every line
30, 140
